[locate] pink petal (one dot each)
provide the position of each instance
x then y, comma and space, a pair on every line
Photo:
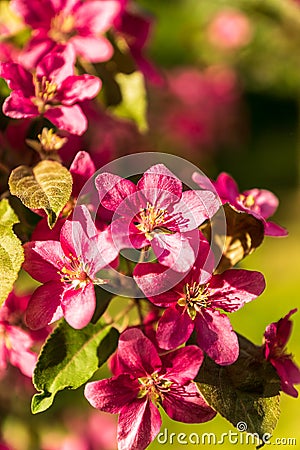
57, 65
18, 107
183, 364
92, 48
235, 287
44, 305
187, 406
136, 353
160, 186
289, 374
97, 17
82, 169
216, 337
113, 190
278, 333
107, 252
174, 328
75, 234
20, 355
174, 251
37, 47
194, 208
272, 229
79, 305
139, 424
226, 188
69, 118
17, 78
78, 88
35, 14
111, 395
126, 235
159, 284
265, 200
43, 260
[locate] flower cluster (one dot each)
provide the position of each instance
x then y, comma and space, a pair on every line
135, 267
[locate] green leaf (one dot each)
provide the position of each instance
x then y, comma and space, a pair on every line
134, 99
46, 186
11, 250
69, 358
246, 391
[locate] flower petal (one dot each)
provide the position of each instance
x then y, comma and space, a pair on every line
111, 395
113, 190
34, 14
272, 229
174, 328
79, 305
17, 78
289, 374
188, 406
235, 287
77, 88
174, 250
160, 186
139, 424
183, 364
265, 200
44, 305
97, 16
92, 48
69, 118
43, 260
57, 65
194, 208
17, 106
137, 354
216, 337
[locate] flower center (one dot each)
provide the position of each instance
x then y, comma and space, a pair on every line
196, 298
74, 273
247, 200
154, 386
62, 27
150, 219
45, 92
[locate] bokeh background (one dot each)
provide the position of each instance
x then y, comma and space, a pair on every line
230, 102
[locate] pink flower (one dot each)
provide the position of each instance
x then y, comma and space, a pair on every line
276, 337
230, 29
15, 343
68, 270
260, 203
195, 303
74, 23
146, 381
156, 212
52, 91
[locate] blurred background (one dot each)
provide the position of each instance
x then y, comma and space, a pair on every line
226, 96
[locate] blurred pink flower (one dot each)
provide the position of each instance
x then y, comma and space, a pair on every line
275, 339
75, 23
229, 29
15, 342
